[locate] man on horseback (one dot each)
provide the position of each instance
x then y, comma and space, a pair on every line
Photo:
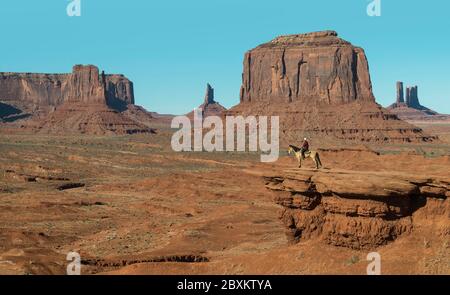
303, 152
305, 147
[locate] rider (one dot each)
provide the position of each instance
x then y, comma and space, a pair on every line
305, 147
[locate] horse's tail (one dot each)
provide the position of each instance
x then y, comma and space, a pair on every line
318, 159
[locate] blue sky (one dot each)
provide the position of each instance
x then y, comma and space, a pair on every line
170, 49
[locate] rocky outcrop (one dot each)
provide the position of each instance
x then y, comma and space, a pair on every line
317, 67
359, 210
29, 90
209, 107
319, 85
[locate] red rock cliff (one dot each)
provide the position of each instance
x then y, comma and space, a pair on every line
315, 66
85, 85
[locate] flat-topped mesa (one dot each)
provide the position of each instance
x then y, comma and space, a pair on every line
316, 67
82, 102
85, 84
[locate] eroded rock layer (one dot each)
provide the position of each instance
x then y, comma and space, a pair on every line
88, 119
328, 124
360, 210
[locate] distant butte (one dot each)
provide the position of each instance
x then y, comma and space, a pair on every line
407, 106
84, 101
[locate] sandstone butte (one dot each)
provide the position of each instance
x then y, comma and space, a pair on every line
319, 85
83, 101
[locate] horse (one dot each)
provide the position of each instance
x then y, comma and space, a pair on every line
308, 154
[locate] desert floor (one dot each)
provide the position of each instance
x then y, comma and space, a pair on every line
130, 205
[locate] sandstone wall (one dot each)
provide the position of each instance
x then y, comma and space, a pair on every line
39, 89
84, 85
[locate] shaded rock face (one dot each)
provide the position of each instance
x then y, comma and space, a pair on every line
359, 210
316, 67
84, 84
400, 97
209, 95
412, 98
319, 86
10, 113
119, 91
